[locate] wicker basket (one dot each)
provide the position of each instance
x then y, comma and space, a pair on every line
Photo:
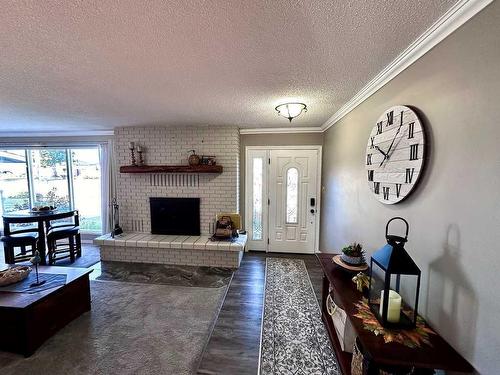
14, 275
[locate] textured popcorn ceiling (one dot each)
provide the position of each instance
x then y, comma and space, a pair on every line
93, 65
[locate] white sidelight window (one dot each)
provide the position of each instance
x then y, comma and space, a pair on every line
257, 199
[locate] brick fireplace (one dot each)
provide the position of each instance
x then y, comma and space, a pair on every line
170, 146
216, 193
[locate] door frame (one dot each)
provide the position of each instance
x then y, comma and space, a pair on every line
319, 150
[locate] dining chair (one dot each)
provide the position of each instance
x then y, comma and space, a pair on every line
57, 232
26, 239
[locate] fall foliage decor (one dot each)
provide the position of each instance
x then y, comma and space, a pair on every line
412, 338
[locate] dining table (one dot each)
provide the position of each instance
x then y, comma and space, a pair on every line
41, 218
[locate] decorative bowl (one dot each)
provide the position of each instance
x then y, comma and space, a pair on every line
43, 210
14, 275
355, 261
337, 259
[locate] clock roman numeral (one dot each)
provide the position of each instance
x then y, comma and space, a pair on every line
411, 129
386, 190
409, 175
398, 190
390, 118
414, 152
372, 139
368, 159
370, 175
379, 127
376, 187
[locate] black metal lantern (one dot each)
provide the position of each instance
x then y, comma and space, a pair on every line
392, 274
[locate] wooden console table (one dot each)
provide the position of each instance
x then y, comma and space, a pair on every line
440, 356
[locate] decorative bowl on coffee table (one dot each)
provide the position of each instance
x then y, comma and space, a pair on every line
14, 275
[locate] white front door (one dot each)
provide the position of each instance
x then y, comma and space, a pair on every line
282, 199
292, 194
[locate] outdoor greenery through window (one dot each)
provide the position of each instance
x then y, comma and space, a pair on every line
67, 178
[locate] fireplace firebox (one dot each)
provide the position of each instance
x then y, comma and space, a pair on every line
178, 216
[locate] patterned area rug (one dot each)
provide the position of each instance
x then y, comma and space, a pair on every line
132, 329
294, 339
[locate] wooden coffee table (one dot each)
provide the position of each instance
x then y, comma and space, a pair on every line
27, 320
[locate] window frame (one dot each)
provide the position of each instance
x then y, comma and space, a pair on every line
67, 147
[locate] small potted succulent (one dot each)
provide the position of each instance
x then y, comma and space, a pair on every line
353, 254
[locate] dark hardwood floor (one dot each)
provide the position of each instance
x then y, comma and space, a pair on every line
234, 345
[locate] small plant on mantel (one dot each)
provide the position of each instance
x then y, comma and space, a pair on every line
353, 254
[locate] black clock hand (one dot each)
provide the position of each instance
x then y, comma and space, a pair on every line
382, 152
392, 143
390, 147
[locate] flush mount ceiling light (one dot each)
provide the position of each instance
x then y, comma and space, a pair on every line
291, 110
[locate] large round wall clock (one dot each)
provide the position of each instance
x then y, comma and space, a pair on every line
395, 154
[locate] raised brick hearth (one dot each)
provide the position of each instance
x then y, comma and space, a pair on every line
171, 249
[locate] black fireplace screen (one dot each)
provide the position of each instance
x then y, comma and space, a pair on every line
179, 216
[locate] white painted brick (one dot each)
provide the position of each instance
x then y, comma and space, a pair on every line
193, 257
170, 146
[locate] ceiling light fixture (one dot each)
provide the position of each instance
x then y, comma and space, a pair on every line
291, 110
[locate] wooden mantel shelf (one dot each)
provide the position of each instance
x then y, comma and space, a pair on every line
171, 169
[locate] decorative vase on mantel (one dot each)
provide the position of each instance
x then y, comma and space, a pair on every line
193, 158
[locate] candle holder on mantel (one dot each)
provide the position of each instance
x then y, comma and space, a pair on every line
394, 265
140, 151
131, 147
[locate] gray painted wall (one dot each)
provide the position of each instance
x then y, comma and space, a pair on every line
455, 212
299, 139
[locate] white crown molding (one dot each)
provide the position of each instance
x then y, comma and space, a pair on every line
34, 134
455, 17
315, 129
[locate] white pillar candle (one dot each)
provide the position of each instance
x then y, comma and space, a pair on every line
393, 308
138, 149
131, 145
